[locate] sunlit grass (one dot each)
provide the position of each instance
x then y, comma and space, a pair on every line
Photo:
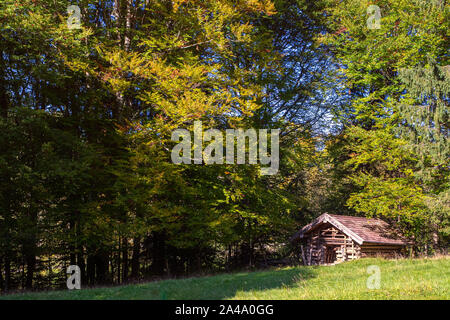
400, 279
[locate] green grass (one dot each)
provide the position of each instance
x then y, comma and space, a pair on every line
400, 279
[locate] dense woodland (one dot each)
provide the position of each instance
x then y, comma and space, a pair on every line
86, 116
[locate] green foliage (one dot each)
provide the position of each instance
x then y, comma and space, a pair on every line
388, 146
92, 183
86, 117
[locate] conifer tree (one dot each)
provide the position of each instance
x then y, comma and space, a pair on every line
425, 125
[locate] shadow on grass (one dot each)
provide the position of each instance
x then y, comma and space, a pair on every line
218, 287
227, 286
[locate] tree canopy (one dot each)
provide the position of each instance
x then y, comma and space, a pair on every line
91, 91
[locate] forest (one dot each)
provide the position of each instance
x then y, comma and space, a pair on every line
91, 92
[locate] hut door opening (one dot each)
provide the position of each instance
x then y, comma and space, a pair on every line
330, 254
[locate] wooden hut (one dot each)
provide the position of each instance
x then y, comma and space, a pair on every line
335, 238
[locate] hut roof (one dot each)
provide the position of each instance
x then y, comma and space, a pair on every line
360, 229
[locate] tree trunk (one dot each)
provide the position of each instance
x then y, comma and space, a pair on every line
128, 23
7, 280
135, 258
1, 274
90, 270
29, 248
159, 254
101, 268
80, 262
30, 257
125, 259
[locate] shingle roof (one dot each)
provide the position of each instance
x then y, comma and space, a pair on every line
360, 229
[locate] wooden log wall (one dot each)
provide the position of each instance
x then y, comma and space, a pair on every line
329, 237
381, 250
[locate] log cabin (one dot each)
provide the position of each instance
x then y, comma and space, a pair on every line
331, 239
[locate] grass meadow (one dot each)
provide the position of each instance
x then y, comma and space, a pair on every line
427, 278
